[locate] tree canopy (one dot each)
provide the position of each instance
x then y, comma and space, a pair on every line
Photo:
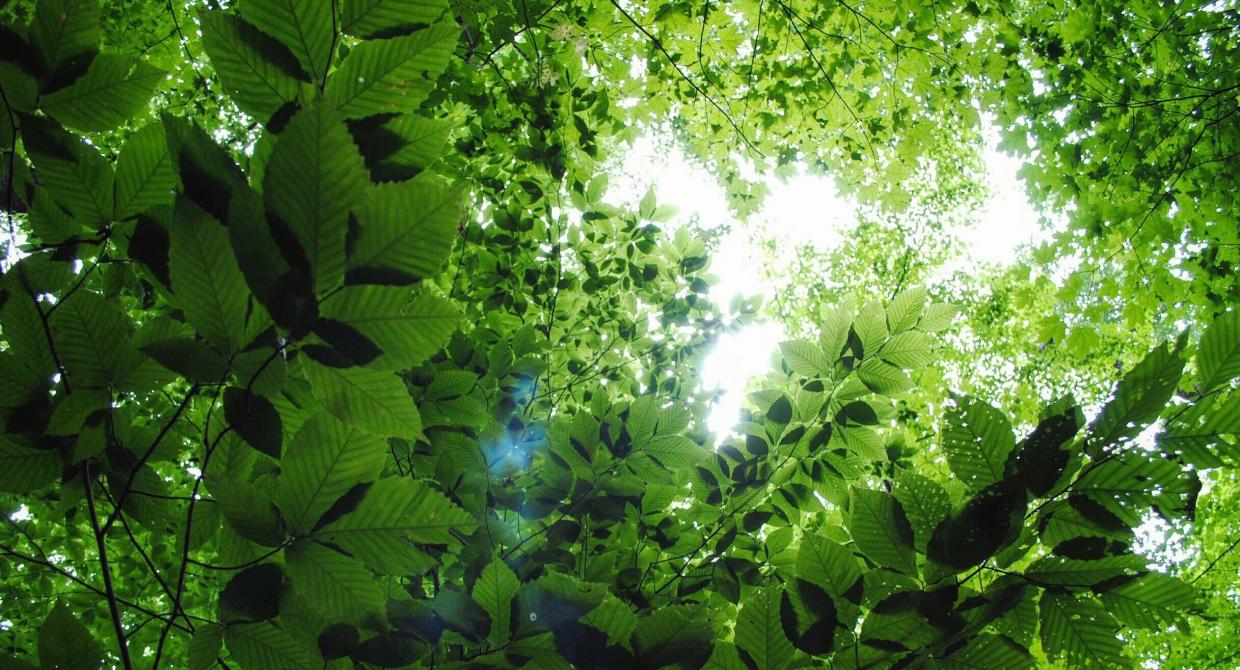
324, 341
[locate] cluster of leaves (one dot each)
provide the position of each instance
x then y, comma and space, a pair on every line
248, 421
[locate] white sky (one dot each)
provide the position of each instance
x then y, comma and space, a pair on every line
802, 209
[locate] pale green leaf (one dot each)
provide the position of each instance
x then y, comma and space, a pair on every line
259, 72
806, 359
409, 326
878, 525
614, 617
1218, 354
828, 564
373, 400
313, 179
925, 502
395, 511
383, 18
871, 328
494, 591
977, 440
909, 350
393, 75
905, 309
1152, 600
674, 451
337, 586
1138, 398
882, 377
989, 652
264, 646
304, 26
207, 283
759, 631
143, 173
324, 460
91, 335
1080, 631
406, 231
938, 316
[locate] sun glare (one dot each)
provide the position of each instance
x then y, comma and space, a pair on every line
798, 210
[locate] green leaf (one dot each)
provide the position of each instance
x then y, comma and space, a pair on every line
938, 316
393, 512
393, 75
325, 459
909, 350
401, 147
189, 357
370, 19
882, 377
337, 586
871, 328
836, 324
408, 326
760, 632
494, 591
78, 177
249, 510
1196, 435
304, 26
1218, 354
878, 525
23, 469
1152, 600
1139, 398
114, 90
806, 359
407, 230
259, 73
373, 400
207, 284
313, 179
66, 31
1127, 486
205, 646
65, 644
264, 646
905, 309
725, 657
828, 564
91, 335
255, 593
1061, 571
985, 524
615, 617
977, 441
989, 652
925, 502
674, 634
674, 451
1080, 631
49, 221
144, 176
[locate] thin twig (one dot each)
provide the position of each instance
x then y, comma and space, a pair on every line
121, 642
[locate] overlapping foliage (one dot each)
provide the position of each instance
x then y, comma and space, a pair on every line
381, 379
